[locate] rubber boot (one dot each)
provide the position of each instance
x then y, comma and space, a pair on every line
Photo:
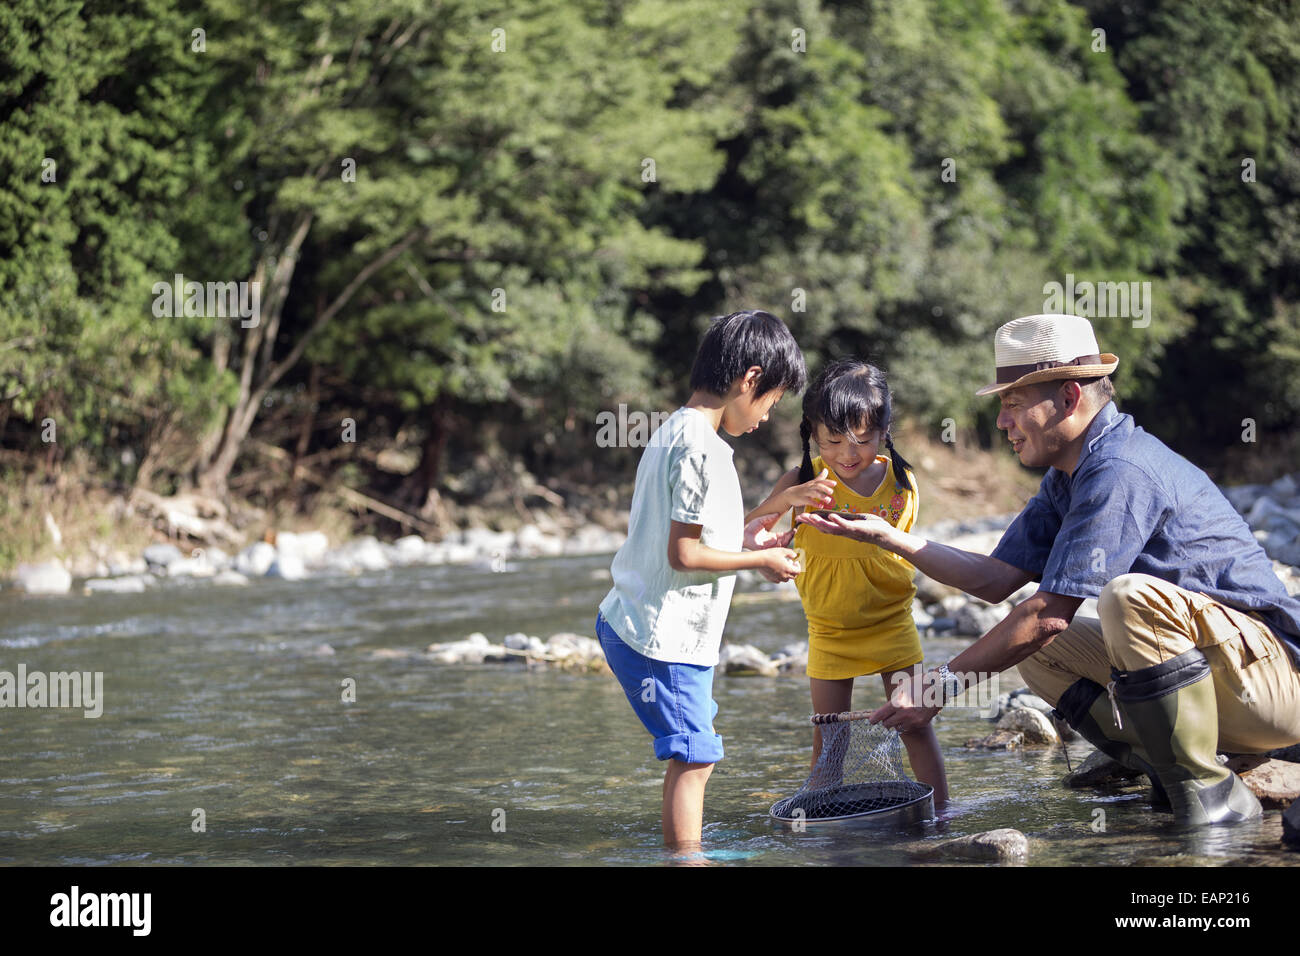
1172, 709
1086, 707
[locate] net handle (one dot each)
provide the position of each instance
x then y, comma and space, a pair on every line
843, 715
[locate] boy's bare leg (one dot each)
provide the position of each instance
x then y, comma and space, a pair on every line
683, 816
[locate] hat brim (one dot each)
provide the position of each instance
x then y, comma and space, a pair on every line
1108, 365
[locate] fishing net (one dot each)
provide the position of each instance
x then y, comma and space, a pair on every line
859, 776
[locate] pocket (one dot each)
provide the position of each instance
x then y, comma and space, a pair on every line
1220, 625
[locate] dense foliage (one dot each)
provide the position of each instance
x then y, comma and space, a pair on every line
476, 225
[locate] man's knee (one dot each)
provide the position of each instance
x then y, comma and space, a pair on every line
1121, 594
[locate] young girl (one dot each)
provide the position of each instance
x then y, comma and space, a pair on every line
857, 597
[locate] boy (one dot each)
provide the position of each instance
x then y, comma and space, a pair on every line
661, 623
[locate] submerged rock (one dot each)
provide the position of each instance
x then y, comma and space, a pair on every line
992, 846
1291, 825
230, 578
998, 740
1100, 770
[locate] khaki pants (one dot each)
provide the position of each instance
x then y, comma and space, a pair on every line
1146, 621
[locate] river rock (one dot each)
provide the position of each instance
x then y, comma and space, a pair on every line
992, 846
485, 542
255, 560
160, 557
1024, 698
1034, 725
192, 567
287, 565
119, 563
474, 649
942, 624
792, 657
133, 584
1099, 770
593, 539
998, 740
952, 603
1275, 782
48, 577
532, 542
744, 659
230, 578
976, 618
411, 549
930, 591
576, 652
920, 617
1291, 825
308, 547
523, 642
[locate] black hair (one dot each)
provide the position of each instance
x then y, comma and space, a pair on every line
847, 396
735, 343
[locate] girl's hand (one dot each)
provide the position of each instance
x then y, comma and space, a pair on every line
871, 529
812, 494
779, 564
758, 533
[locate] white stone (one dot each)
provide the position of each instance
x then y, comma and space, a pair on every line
746, 659
411, 549
1035, 726
230, 578
48, 577
255, 560
125, 585
976, 619
288, 566
162, 555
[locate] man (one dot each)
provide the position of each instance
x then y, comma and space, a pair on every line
1197, 648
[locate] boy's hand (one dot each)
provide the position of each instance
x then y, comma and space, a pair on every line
872, 529
779, 564
758, 533
812, 494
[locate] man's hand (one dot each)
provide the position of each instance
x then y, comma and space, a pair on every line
902, 713
758, 533
871, 529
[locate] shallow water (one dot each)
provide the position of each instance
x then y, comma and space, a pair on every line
229, 701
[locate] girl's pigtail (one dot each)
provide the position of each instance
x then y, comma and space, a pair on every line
806, 469
900, 465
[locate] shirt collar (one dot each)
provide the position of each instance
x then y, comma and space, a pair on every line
1104, 422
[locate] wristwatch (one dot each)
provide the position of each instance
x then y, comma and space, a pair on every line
949, 685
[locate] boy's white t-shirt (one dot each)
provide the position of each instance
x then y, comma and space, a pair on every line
686, 474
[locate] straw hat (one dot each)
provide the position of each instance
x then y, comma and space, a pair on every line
1044, 348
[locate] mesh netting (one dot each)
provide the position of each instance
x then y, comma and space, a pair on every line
858, 774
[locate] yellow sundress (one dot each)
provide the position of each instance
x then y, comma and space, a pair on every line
858, 597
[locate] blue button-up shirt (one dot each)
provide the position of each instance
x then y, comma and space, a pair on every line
1133, 505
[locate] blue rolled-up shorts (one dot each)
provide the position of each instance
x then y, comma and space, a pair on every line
674, 701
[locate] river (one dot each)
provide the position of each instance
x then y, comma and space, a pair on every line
225, 739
